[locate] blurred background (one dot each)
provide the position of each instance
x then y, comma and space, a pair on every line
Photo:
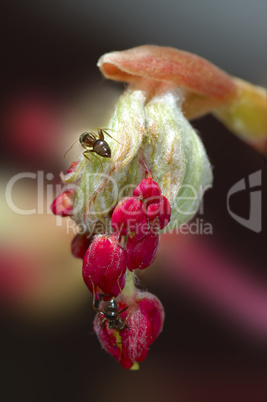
213, 286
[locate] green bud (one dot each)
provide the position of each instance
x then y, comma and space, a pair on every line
148, 137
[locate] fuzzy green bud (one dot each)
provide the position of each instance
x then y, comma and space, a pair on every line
149, 137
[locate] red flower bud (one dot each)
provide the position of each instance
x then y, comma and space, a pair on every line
73, 167
129, 216
63, 204
159, 209
104, 264
143, 323
141, 254
80, 244
147, 188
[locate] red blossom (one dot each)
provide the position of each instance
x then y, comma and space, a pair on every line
63, 204
157, 206
73, 167
105, 262
144, 319
80, 244
159, 209
129, 216
141, 218
141, 254
104, 265
147, 188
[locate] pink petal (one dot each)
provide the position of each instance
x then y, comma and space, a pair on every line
104, 264
80, 244
169, 65
146, 189
127, 215
135, 339
107, 338
159, 210
63, 204
141, 254
153, 307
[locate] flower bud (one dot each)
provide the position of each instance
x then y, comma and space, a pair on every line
155, 137
152, 139
147, 188
143, 319
104, 266
63, 204
141, 254
72, 167
159, 211
129, 216
80, 244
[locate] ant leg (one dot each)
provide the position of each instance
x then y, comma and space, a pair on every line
124, 309
105, 129
100, 134
124, 298
91, 151
94, 307
101, 322
92, 134
101, 318
87, 157
102, 130
125, 324
102, 295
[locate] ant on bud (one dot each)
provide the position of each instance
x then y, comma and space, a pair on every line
111, 312
96, 142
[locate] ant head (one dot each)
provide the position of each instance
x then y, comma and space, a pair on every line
83, 138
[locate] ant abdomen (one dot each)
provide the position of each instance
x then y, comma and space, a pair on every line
111, 309
102, 148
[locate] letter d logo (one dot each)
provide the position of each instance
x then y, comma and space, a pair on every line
254, 220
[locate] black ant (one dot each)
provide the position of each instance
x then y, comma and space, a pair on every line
96, 142
111, 312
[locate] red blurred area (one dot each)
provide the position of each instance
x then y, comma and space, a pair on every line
219, 279
18, 275
32, 125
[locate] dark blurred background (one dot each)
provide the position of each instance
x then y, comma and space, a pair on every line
213, 346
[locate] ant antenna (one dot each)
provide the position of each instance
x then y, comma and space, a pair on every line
70, 148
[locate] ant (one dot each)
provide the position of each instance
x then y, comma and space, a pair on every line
111, 312
96, 142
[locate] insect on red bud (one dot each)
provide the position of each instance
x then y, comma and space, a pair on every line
63, 204
104, 266
144, 321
